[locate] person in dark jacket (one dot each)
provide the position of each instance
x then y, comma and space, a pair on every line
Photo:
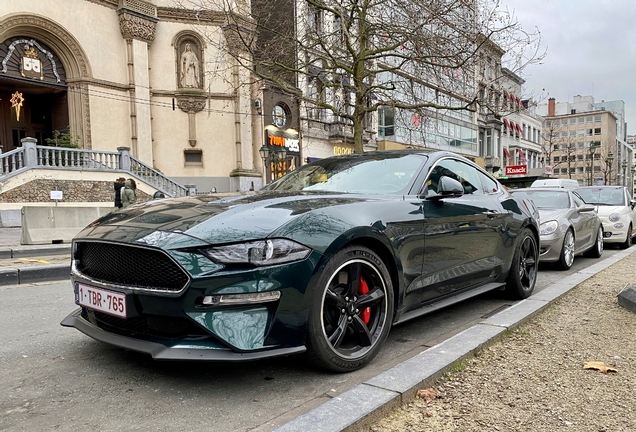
119, 184
128, 195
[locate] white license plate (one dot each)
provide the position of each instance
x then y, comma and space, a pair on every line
109, 302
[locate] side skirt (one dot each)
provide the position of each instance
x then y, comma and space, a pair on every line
447, 301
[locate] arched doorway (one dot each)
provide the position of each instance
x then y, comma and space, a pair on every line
33, 93
44, 77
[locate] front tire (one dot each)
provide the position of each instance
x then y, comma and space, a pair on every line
525, 265
597, 249
351, 310
628, 241
567, 251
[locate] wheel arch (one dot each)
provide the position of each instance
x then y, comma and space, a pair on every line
381, 246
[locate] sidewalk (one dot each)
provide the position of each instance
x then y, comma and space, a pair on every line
31, 263
387, 402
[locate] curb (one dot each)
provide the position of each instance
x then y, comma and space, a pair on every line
43, 273
34, 251
357, 408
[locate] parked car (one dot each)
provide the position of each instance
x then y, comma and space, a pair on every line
323, 260
615, 207
556, 183
569, 226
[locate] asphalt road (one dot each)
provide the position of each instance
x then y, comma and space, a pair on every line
56, 379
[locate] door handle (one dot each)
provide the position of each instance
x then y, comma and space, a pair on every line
491, 213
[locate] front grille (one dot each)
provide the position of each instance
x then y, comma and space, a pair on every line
147, 325
129, 265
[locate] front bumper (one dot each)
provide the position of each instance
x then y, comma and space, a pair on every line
176, 350
611, 234
550, 247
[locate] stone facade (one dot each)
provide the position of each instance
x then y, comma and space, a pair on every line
72, 191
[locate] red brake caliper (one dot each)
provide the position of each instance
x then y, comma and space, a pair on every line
363, 288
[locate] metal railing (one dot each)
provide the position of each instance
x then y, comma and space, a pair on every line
31, 156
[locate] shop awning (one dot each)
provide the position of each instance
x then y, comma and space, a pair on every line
522, 155
507, 154
507, 123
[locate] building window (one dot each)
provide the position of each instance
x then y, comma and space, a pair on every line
581, 119
573, 120
597, 118
555, 159
597, 131
564, 170
588, 119
193, 157
386, 122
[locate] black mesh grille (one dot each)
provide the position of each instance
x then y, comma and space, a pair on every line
129, 265
148, 325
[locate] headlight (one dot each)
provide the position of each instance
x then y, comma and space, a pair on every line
548, 228
260, 252
614, 217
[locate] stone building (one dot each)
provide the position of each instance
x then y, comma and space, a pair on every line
130, 73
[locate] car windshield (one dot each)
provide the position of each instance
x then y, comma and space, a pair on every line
544, 199
381, 174
603, 196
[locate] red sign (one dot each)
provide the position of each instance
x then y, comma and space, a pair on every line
516, 169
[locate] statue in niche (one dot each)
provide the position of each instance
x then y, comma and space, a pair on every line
189, 68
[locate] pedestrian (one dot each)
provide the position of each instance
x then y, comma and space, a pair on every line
128, 195
213, 190
119, 185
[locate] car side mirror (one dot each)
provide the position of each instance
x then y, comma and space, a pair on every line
447, 188
587, 208
632, 203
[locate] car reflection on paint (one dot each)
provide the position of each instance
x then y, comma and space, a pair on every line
324, 260
569, 226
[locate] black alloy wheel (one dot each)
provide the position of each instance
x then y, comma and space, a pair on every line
351, 313
525, 265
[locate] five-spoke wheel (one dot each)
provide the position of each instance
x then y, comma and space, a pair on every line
352, 310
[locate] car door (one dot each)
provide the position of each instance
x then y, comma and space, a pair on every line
461, 234
584, 223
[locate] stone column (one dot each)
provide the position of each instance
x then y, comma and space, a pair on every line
30, 151
137, 22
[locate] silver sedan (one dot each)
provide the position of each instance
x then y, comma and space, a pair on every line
569, 226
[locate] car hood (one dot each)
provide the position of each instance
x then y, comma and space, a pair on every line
546, 215
212, 219
605, 211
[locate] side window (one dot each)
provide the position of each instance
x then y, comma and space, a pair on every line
466, 174
490, 185
578, 201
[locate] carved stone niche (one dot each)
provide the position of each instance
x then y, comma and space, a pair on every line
189, 63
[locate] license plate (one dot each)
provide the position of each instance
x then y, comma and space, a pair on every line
109, 302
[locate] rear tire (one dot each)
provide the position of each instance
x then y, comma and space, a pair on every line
628, 241
597, 249
351, 310
525, 265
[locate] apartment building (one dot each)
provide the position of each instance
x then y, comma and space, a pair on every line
581, 141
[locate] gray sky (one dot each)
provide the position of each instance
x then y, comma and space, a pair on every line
591, 50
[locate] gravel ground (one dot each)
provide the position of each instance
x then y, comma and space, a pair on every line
533, 379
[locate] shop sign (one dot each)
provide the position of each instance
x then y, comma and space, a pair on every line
290, 144
516, 170
342, 150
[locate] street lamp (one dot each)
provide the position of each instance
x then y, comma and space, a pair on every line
275, 158
624, 166
608, 160
593, 146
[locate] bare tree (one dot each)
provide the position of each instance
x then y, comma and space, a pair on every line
349, 58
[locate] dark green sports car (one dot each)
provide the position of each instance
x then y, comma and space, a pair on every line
324, 260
